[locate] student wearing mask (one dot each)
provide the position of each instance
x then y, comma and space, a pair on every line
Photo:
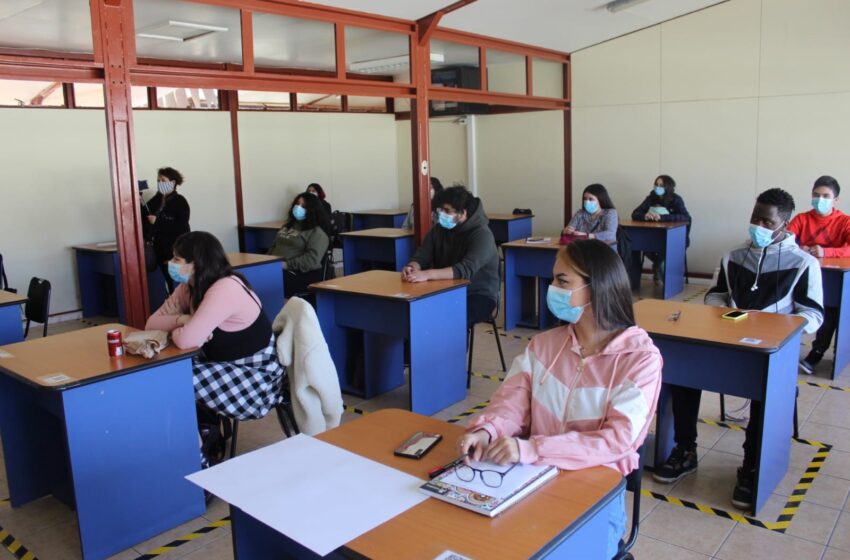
436, 188
611, 367
662, 205
461, 247
597, 218
823, 231
767, 273
165, 217
303, 242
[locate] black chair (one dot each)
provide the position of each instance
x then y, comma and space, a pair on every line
471, 337
37, 307
285, 417
4, 282
633, 485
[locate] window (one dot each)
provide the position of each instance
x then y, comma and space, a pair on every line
547, 77
287, 42
264, 101
319, 102
186, 98
455, 65
369, 51
505, 72
362, 104
63, 26
25, 93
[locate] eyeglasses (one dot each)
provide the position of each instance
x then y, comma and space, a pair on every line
490, 478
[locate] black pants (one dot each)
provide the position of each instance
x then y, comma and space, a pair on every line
479, 309
823, 338
299, 282
685, 403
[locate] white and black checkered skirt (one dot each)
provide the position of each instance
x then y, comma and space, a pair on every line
245, 389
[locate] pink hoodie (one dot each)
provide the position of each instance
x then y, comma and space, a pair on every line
610, 398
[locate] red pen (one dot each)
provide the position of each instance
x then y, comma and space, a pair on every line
437, 471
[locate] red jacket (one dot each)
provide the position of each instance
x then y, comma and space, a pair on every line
831, 232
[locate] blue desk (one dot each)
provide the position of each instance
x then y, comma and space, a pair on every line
260, 237
265, 273
113, 438
528, 273
370, 219
11, 326
667, 238
836, 284
366, 319
703, 351
566, 518
381, 248
510, 227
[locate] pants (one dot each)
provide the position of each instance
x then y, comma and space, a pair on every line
823, 338
685, 403
479, 309
295, 283
617, 524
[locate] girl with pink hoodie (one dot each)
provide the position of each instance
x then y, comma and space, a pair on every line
581, 395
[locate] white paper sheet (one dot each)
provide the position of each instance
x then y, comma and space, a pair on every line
317, 494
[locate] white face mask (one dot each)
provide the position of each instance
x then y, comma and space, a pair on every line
165, 187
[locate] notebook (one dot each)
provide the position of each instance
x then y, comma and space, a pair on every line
660, 210
533, 240
518, 482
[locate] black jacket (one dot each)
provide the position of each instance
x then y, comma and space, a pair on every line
172, 221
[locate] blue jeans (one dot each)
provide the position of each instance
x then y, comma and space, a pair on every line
617, 524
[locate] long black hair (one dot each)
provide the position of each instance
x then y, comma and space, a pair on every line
610, 291
601, 193
320, 192
438, 188
203, 250
316, 215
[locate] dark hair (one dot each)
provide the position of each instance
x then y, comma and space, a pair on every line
455, 196
437, 186
783, 201
668, 182
601, 193
610, 290
205, 252
827, 181
172, 175
316, 215
319, 190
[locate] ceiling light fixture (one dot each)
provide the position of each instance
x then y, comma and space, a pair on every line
617, 5
389, 64
179, 31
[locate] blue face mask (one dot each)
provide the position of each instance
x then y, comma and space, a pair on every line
590, 206
659, 191
176, 275
761, 236
822, 205
558, 301
299, 212
446, 220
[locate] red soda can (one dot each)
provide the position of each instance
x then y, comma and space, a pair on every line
115, 343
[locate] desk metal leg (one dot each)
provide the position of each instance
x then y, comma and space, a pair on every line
674, 258
11, 326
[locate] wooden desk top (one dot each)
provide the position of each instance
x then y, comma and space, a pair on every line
704, 324
386, 284
842, 263
275, 225
433, 526
508, 217
390, 233
102, 247
656, 225
553, 245
81, 356
8, 298
382, 212
239, 260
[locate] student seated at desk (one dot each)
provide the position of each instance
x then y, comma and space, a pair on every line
237, 373
581, 395
823, 231
461, 247
662, 205
436, 188
767, 273
597, 218
303, 242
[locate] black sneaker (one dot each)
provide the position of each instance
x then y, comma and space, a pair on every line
808, 363
742, 496
680, 463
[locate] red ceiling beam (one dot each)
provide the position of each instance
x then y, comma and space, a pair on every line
492, 98
339, 45
247, 21
475, 40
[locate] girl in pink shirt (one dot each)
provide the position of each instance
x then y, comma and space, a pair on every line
583, 394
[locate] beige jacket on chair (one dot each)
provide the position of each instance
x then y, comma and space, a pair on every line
313, 382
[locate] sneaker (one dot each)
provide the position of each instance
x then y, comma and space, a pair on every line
681, 462
808, 363
742, 496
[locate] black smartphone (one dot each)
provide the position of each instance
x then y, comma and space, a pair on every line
417, 445
143, 185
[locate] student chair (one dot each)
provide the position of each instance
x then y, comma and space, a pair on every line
4, 282
633, 485
37, 307
328, 272
285, 417
471, 333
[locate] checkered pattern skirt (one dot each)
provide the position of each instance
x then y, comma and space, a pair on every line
245, 389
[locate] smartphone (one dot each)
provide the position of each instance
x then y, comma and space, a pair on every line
143, 185
417, 445
736, 315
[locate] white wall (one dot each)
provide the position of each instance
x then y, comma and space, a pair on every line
447, 150
353, 157
730, 101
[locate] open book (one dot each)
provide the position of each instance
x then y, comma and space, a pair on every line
533, 240
518, 482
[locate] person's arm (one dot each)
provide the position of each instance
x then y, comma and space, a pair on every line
167, 317
575, 222
718, 295
607, 231
678, 211
639, 213
481, 249
424, 255
311, 259
220, 301
842, 236
808, 296
509, 411
629, 412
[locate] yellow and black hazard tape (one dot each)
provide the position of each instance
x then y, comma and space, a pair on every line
709, 510
14, 546
721, 424
498, 378
695, 295
470, 412
180, 541
355, 410
824, 386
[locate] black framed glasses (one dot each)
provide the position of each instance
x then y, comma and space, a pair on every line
489, 477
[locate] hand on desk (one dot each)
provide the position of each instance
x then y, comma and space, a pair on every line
652, 217
814, 250
572, 231
478, 447
412, 272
